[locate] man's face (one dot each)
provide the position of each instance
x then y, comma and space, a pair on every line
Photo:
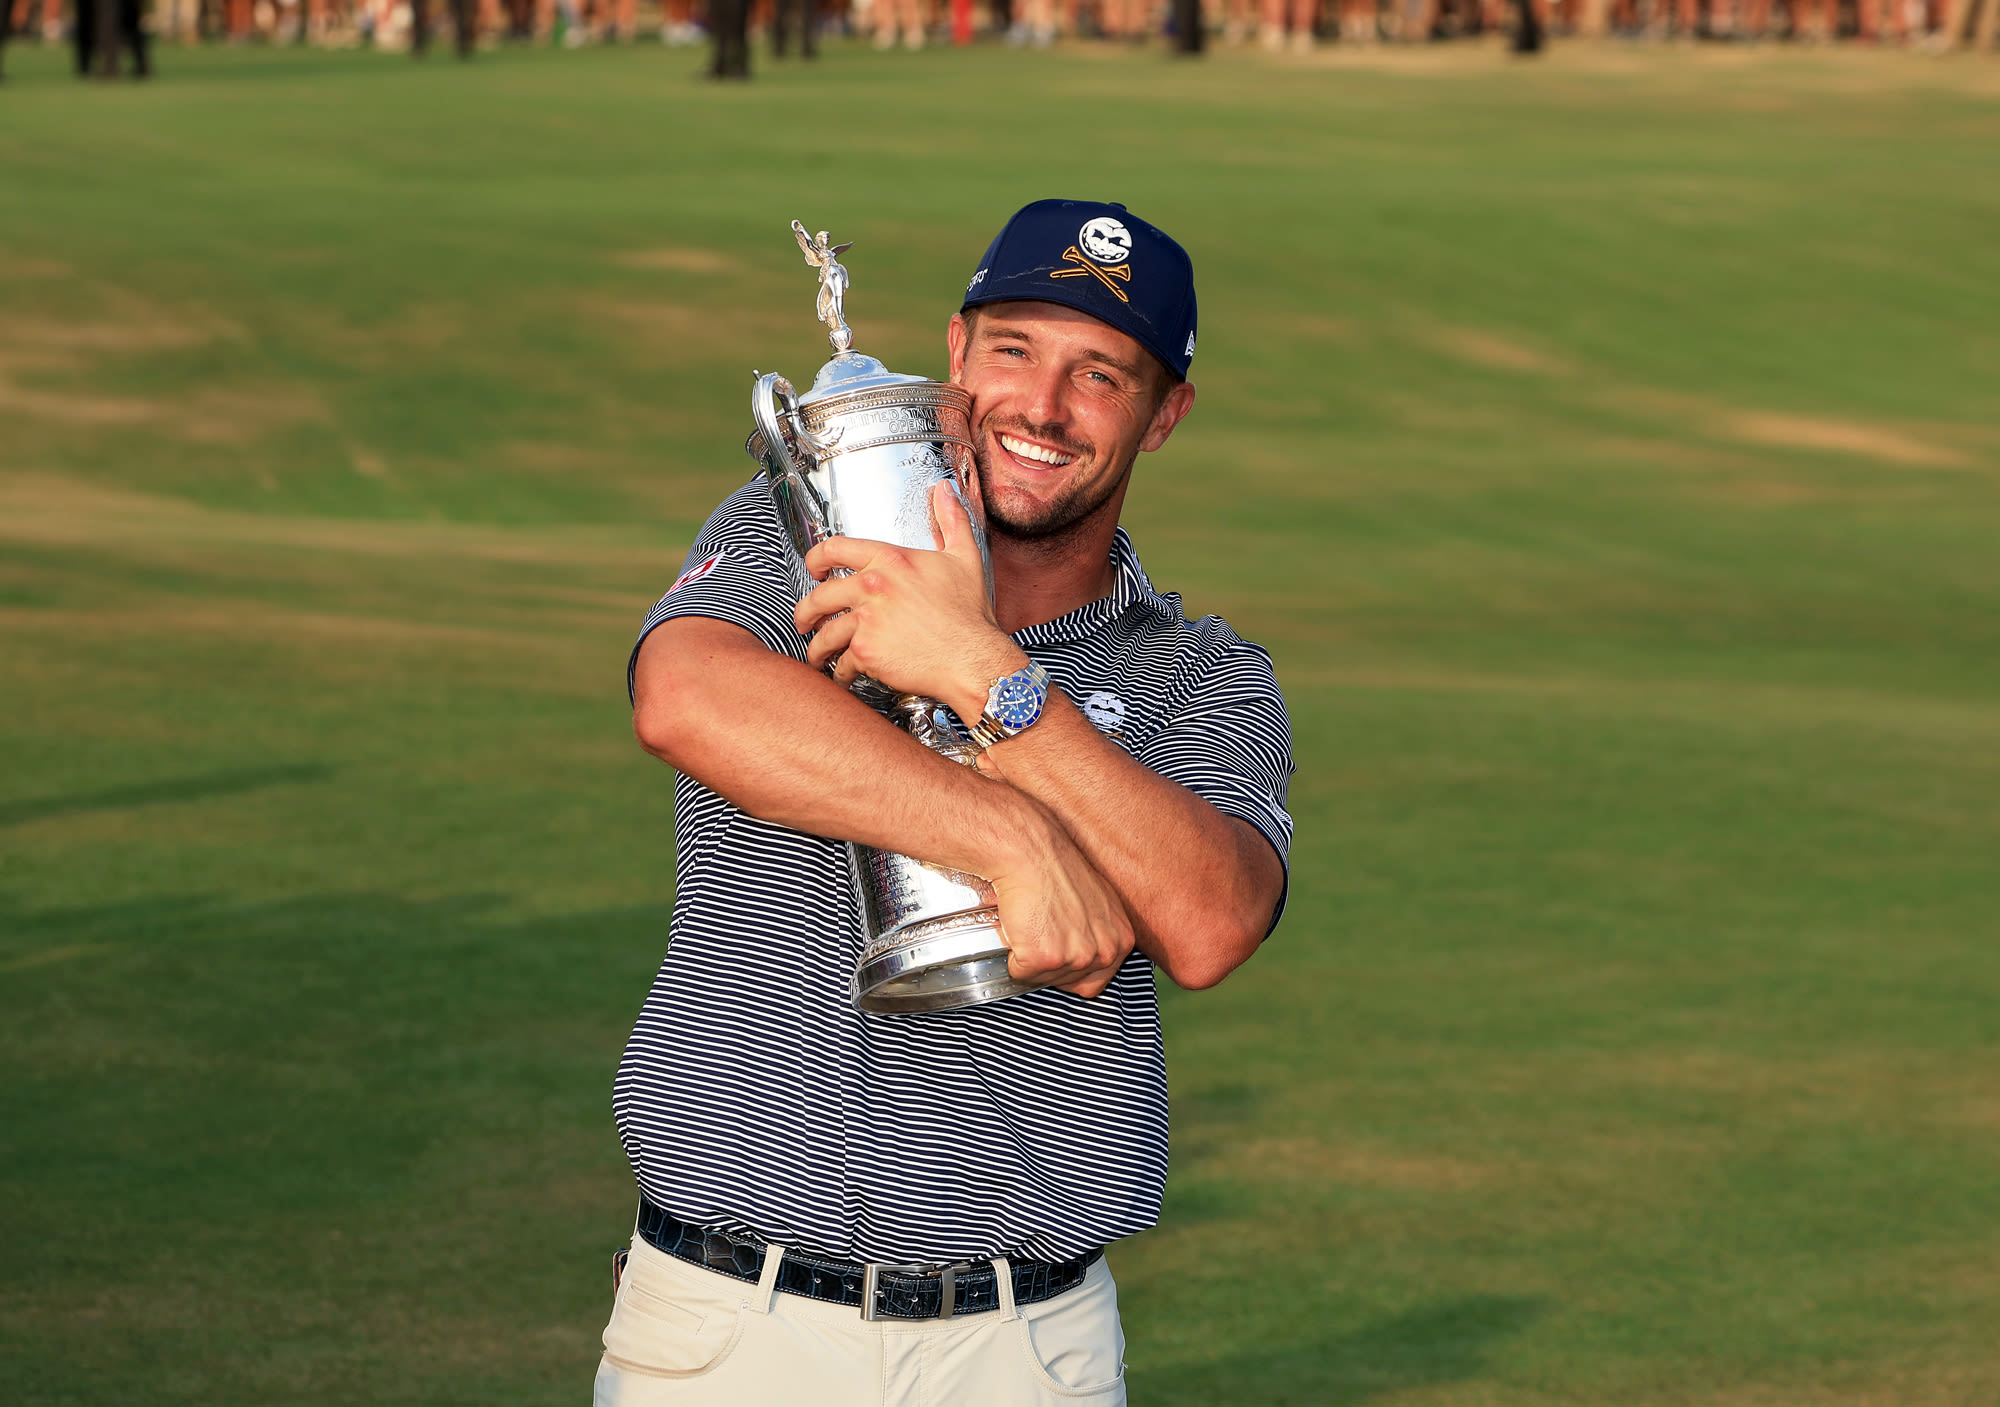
1061, 406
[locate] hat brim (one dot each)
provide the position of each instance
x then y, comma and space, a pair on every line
1049, 291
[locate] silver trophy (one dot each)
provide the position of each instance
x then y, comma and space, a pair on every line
858, 456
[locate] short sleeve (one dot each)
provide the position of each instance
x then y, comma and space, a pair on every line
741, 569
1230, 743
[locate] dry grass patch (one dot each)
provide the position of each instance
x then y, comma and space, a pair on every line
53, 510
70, 350
1841, 437
677, 325
49, 957
544, 457
1782, 430
678, 260
1346, 1164
1782, 706
1491, 350
1918, 1384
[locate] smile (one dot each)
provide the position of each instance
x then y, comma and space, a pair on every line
1040, 454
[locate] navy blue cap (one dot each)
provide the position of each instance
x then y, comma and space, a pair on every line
1099, 259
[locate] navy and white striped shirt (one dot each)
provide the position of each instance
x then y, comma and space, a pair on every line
754, 1097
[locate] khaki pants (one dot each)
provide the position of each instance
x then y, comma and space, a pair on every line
683, 1335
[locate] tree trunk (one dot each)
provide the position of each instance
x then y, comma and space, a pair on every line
730, 19
1188, 34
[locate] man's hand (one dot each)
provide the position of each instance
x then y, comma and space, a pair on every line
1066, 927
917, 621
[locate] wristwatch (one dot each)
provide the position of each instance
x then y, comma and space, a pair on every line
1013, 704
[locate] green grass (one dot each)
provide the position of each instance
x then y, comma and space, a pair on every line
1605, 448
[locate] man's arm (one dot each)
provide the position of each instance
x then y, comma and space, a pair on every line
1200, 886
792, 747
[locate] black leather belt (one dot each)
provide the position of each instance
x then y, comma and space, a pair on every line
878, 1291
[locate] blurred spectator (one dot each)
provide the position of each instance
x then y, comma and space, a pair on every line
794, 15
1035, 23
1279, 24
103, 30
1122, 19
465, 29
912, 18
677, 24
1232, 17
614, 20
1304, 15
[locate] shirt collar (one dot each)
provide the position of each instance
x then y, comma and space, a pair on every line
1130, 588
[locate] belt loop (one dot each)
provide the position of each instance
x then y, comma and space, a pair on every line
1003, 1281
767, 1280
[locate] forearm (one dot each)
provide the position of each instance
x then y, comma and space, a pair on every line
1200, 886
790, 746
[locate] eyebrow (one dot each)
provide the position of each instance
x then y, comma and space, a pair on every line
1015, 335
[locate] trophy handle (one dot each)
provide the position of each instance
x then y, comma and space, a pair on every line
780, 437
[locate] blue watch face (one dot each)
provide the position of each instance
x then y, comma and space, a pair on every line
1017, 701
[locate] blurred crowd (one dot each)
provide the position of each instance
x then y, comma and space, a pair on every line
1275, 24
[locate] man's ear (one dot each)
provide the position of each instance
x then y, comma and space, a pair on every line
957, 336
1173, 409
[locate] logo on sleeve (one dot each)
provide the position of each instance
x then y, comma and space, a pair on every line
1105, 710
695, 573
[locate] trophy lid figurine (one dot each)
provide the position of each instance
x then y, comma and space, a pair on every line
857, 456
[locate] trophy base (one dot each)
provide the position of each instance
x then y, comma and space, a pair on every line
936, 965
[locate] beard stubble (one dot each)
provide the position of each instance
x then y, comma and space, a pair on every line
1054, 522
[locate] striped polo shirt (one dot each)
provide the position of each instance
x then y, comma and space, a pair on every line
754, 1097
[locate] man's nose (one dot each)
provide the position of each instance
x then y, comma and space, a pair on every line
1047, 401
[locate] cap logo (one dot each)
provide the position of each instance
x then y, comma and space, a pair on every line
1107, 244
1106, 240
1190, 346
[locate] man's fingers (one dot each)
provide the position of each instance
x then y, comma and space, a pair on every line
833, 639
953, 521
1078, 974
1027, 965
975, 497
854, 553
825, 601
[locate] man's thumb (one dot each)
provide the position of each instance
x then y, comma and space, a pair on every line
953, 521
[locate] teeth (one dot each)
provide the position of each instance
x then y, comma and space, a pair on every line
1035, 452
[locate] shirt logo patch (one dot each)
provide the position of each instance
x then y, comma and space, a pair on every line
695, 573
1105, 710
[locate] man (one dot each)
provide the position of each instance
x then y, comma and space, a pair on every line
839, 1207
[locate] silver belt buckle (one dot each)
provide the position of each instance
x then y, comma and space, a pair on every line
947, 1287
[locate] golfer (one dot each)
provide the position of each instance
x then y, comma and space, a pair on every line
845, 1208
